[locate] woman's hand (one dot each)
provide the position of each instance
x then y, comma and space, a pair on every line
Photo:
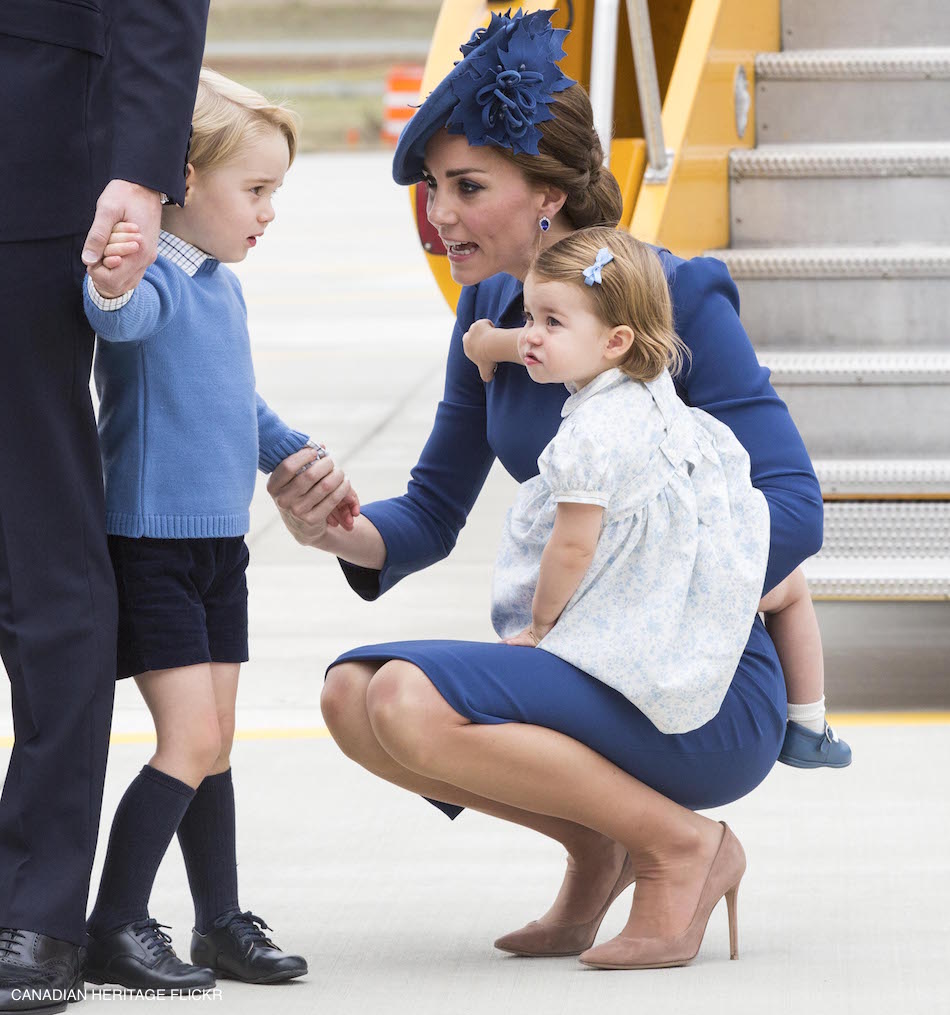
307, 491
475, 343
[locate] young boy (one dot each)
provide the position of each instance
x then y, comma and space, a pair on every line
183, 432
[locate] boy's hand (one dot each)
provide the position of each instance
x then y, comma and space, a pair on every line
345, 513
473, 345
124, 241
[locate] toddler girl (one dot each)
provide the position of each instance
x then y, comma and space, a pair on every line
639, 551
183, 432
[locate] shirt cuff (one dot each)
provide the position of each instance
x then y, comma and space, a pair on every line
104, 302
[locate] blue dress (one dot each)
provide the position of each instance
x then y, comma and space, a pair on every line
513, 419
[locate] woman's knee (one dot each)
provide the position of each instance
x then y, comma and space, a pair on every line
407, 713
343, 702
343, 698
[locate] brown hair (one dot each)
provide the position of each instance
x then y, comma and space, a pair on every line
633, 291
572, 159
228, 115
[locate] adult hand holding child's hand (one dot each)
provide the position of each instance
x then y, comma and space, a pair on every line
122, 204
308, 490
125, 241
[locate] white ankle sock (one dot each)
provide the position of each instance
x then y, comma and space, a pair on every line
811, 716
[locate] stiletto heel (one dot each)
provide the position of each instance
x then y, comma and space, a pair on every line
731, 903
723, 879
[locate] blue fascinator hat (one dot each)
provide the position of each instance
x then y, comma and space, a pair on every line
496, 94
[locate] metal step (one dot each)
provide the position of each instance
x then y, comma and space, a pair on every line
866, 404
811, 23
885, 630
832, 297
885, 653
853, 95
887, 529
890, 578
864, 194
883, 478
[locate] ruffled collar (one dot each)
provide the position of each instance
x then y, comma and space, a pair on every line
608, 379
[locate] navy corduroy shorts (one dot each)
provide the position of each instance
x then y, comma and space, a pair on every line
181, 602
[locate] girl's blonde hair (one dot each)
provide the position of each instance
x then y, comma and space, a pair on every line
228, 115
633, 291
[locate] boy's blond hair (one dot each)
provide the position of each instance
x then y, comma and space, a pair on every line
228, 115
633, 291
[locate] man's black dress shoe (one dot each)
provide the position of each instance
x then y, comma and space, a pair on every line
140, 956
38, 974
237, 948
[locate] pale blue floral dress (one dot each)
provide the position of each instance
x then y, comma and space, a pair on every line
666, 607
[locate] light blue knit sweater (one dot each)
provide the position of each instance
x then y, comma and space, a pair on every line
181, 427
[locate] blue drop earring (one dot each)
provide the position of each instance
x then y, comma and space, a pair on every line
544, 223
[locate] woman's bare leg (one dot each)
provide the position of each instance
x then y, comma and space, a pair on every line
594, 860
535, 769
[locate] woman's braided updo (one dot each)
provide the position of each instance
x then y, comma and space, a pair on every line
572, 159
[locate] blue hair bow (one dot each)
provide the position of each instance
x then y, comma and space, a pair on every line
592, 274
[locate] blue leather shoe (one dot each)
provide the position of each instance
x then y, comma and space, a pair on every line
804, 749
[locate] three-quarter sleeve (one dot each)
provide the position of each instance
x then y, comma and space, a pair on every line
421, 527
725, 379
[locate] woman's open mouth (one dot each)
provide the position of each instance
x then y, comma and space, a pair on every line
460, 251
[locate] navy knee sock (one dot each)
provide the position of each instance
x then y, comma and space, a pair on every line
207, 838
142, 828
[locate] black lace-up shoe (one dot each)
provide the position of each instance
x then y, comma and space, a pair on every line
38, 974
237, 948
140, 956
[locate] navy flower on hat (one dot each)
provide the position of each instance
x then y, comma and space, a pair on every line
506, 80
496, 94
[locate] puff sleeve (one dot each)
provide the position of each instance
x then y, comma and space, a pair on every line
576, 468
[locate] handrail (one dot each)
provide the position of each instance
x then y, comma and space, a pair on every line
603, 66
648, 88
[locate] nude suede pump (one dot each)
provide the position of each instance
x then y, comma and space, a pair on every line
540, 941
723, 879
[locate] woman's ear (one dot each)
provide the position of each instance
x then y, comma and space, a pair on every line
618, 342
552, 201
